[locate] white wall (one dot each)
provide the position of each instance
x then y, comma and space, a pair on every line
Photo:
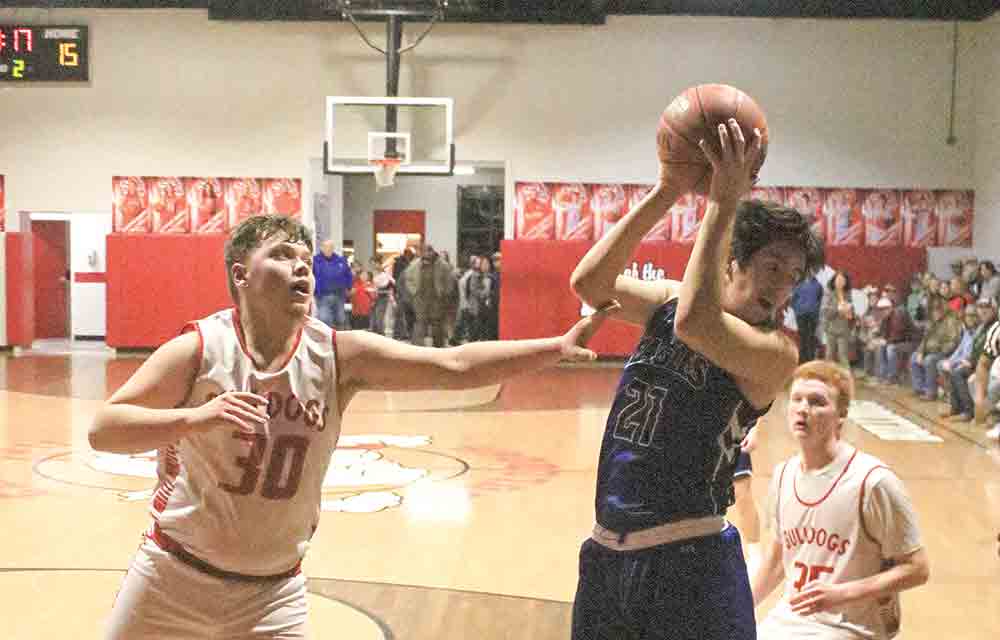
437, 196
987, 157
851, 103
88, 255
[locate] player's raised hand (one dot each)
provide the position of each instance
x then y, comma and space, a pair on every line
574, 342
734, 166
239, 409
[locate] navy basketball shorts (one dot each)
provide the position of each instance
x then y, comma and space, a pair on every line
743, 465
695, 589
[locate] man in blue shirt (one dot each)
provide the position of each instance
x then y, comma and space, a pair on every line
806, 299
333, 281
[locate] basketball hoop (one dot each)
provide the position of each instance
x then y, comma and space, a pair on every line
385, 171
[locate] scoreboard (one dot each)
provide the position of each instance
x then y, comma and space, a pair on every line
44, 53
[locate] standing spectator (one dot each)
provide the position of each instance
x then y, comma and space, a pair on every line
362, 295
989, 286
404, 315
838, 319
959, 366
464, 326
942, 336
492, 312
806, 300
383, 296
916, 300
897, 329
333, 281
429, 283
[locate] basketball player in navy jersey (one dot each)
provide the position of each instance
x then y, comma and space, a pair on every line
662, 561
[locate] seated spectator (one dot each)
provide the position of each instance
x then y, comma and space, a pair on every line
959, 295
868, 331
985, 383
898, 331
942, 336
958, 367
989, 280
970, 275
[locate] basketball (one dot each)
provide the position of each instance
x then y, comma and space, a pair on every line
695, 115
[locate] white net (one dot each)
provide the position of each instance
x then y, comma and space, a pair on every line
385, 173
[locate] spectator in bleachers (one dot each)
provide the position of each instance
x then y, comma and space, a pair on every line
916, 301
806, 300
970, 275
957, 368
940, 340
989, 280
838, 319
898, 330
987, 394
959, 295
869, 337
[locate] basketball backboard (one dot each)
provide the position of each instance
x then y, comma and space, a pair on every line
360, 131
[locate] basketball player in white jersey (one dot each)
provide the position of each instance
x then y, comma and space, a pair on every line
244, 409
845, 535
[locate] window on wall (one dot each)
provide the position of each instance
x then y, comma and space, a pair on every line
480, 220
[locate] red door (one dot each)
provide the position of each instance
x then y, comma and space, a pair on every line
51, 278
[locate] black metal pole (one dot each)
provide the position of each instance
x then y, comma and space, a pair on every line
393, 39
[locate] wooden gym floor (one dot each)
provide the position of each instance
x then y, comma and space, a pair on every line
494, 488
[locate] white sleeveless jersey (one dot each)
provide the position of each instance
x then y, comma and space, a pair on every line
821, 525
249, 503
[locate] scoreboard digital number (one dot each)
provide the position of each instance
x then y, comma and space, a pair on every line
34, 53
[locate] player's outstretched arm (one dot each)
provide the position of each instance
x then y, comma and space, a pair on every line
765, 358
598, 278
371, 361
143, 414
769, 574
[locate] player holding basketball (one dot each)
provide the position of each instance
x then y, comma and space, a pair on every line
846, 538
662, 562
245, 411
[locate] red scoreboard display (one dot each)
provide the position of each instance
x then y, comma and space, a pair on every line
49, 53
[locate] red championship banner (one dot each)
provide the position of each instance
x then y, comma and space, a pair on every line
768, 194
243, 199
844, 224
686, 216
571, 205
130, 205
533, 215
3, 206
919, 208
809, 202
661, 230
206, 202
609, 203
283, 196
955, 218
883, 220
168, 205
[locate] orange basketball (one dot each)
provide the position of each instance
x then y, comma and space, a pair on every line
695, 115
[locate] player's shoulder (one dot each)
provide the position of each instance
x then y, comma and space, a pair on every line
871, 471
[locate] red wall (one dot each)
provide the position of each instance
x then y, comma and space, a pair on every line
157, 283
536, 299
20, 274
